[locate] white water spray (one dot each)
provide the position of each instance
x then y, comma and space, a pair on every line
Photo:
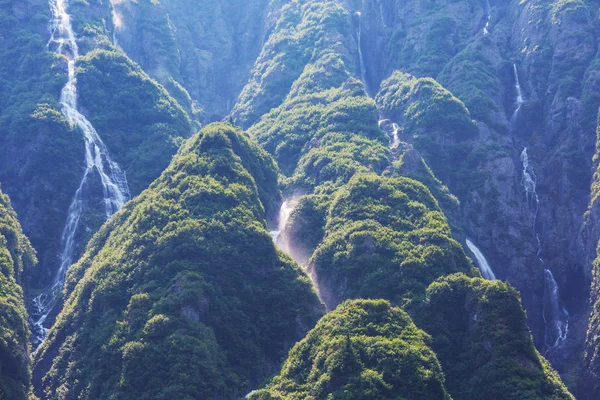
520, 99
486, 28
394, 132
555, 314
97, 159
287, 207
529, 185
484, 266
363, 67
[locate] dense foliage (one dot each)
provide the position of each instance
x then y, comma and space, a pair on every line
482, 340
438, 125
182, 294
386, 238
16, 256
137, 119
306, 31
364, 350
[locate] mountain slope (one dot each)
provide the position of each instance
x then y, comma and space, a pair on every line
365, 349
481, 338
182, 293
16, 257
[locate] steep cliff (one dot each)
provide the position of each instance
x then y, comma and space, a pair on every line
16, 258
201, 51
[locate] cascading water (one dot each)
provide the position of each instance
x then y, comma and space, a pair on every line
287, 207
529, 185
520, 99
112, 178
486, 28
484, 266
556, 317
393, 132
363, 67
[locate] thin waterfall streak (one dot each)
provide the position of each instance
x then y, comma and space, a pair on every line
486, 28
559, 316
363, 67
554, 314
393, 131
520, 99
484, 266
97, 160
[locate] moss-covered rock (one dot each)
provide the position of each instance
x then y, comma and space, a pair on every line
386, 238
481, 338
364, 350
182, 294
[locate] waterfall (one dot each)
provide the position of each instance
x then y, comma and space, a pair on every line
486, 269
555, 315
363, 67
393, 132
97, 160
520, 99
395, 139
529, 185
486, 28
287, 207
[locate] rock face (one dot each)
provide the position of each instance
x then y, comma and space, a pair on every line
202, 51
554, 122
548, 114
42, 157
16, 258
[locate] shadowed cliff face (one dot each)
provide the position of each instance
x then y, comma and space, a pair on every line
533, 244
550, 49
201, 51
16, 258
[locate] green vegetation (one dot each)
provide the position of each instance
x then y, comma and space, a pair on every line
137, 119
473, 79
427, 107
364, 350
587, 383
306, 31
182, 294
324, 138
16, 257
482, 340
386, 238
437, 123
